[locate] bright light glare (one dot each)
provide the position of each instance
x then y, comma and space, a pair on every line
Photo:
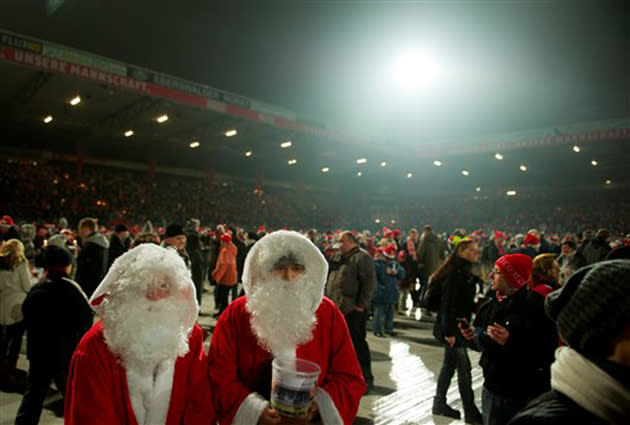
409, 175
230, 133
377, 221
511, 193
248, 153
292, 161
608, 182
383, 164
498, 156
576, 148
361, 161
325, 170
48, 119
194, 144
437, 163
128, 133
359, 174
594, 163
286, 144
413, 70
162, 118
75, 100
523, 167
465, 172
478, 189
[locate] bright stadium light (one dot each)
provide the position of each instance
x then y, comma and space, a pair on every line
523, 167
437, 163
377, 221
325, 170
230, 133
413, 70
498, 156
128, 133
75, 100
465, 172
383, 164
292, 161
194, 144
286, 144
162, 118
359, 174
576, 149
478, 189
608, 182
248, 153
361, 161
48, 119
594, 163
409, 175
511, 193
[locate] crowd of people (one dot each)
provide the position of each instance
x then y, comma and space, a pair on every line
493, 291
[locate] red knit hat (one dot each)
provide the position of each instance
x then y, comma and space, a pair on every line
517, 268
390, 251
531, 240
7, 220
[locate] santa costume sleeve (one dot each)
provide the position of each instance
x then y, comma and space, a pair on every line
339, 395
234, 402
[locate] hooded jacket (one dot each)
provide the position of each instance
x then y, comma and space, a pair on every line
92, 262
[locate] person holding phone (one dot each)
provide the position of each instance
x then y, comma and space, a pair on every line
456, 306
517, 341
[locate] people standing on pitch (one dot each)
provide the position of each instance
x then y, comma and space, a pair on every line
389, 274
118, 244
92, 258
225, 273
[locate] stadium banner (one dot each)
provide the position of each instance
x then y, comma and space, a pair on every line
268, 109
20, 43
55, 65
82, 58
184, 86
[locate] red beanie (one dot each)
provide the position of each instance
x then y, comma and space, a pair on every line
517, 268
225, 237
390, 251
531, 240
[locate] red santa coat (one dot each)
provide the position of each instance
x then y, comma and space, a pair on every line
97, 391
238, 365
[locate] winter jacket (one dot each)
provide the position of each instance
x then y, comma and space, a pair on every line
225, 271
521, 367
56, 315
352, 280
595, 251
14, 285
457, 300
92, 262
430, 253
387, 285
116, 249
554, 408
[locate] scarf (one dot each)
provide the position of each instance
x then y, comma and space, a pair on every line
590, 387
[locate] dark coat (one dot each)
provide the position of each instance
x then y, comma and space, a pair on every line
595, 251
521, 367
116, 249
458, 298
387, 285
554, 408
56, 315
352, 280
92, 262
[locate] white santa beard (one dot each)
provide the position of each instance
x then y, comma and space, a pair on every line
283, 313
145, 333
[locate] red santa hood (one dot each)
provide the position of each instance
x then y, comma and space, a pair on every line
134, 272
273, 247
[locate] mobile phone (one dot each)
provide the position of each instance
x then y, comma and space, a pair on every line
463, 322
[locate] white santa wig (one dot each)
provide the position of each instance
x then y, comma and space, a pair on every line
139, 270
266, 253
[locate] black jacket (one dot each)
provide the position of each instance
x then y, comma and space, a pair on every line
92, 262
56, 315
457, 300
521, 367
116, 249
554, 408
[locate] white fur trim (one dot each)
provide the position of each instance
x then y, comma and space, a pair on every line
151, 397
250, 410
327, 409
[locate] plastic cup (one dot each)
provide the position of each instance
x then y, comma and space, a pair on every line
293, 385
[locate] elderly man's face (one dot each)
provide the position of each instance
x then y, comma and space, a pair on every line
178, 242
289, 272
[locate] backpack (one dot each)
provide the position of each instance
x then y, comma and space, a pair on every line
432, 296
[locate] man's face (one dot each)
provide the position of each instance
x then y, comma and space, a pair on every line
123, 235
470, 253
346, 244
84, 232
566, 249
499, 283
179, 242
290, 272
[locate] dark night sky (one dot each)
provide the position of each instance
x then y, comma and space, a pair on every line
507, 65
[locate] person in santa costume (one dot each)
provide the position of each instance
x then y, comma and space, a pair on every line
143, 362
284, 314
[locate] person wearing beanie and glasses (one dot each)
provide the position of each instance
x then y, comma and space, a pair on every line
56, 314
590, 379
388, 276
175, 238
516, 339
